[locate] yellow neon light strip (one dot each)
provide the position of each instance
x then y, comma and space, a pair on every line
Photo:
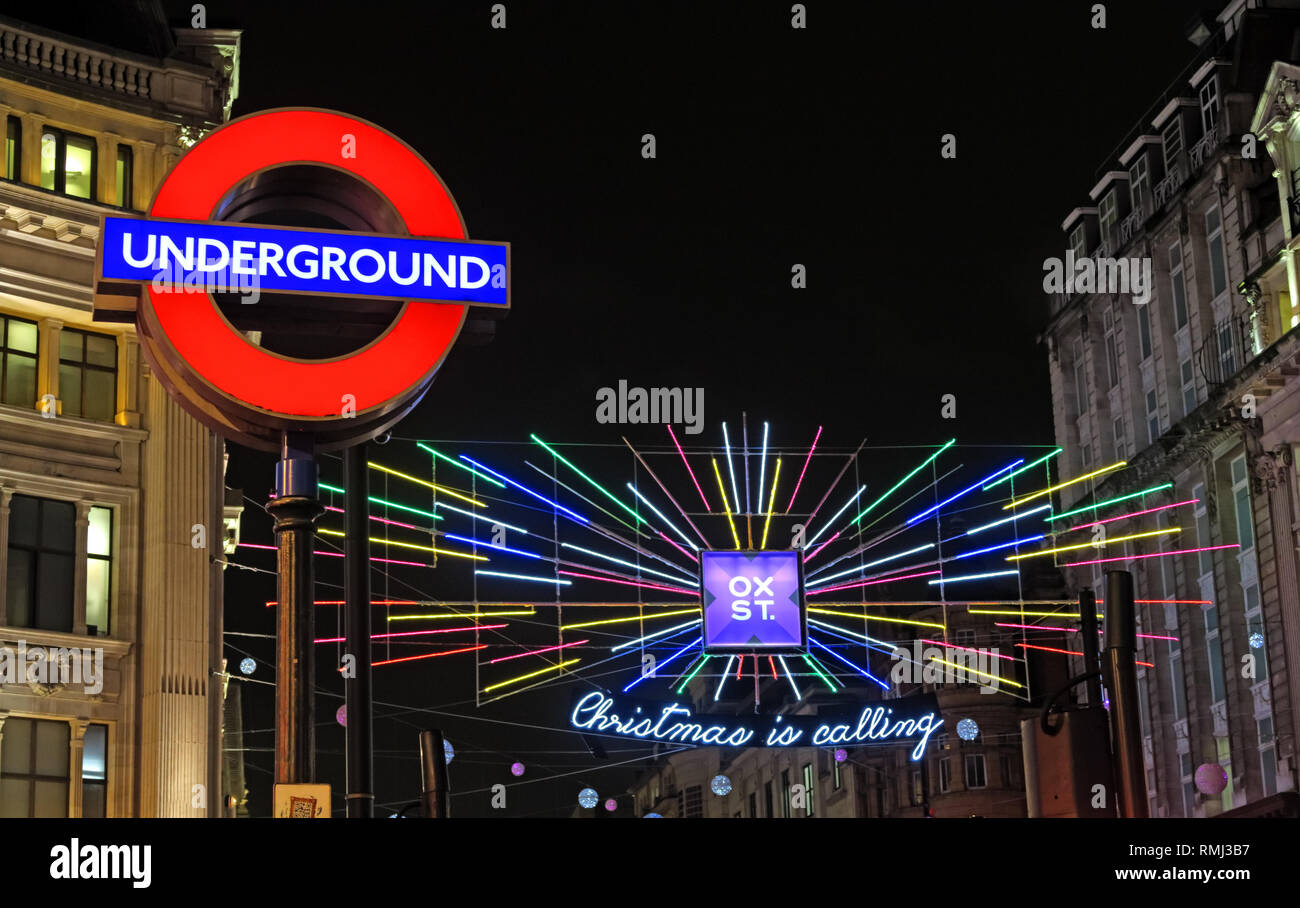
974, 671
407, 545
726, 506
427, 484
689, 611
1015, 503
543, 671
827, 611
771, 500
1085, 545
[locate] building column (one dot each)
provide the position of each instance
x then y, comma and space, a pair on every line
144, 178
4, 714
1273, 469
47, 366
106, 171
33, 124
128, 382
79, 569
6, 494
76, 752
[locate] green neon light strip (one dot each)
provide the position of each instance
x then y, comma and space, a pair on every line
693, 674
1109, 501
457, 463
925, 463
817, 671
1021, 470
560, 457
389, 504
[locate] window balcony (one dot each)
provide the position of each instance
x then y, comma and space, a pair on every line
1227, 350
1203, 151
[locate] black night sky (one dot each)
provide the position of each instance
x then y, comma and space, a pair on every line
775, 147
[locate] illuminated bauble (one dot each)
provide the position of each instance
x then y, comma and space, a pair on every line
341, 715
968, 730
1211, 779
1257, 640
653, 816
841, 755
611, 805
516, 769
448, 750
721, 785
588, 797
248, 665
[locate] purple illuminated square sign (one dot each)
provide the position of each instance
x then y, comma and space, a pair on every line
752, 601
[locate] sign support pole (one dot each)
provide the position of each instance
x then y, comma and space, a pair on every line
1121, 681
356, 592
295, 510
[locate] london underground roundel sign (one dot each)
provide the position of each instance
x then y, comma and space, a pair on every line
408, 246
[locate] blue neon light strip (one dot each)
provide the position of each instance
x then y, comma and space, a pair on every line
499, 548
524, 488
857, 668
963, 492
640, 678
994, 548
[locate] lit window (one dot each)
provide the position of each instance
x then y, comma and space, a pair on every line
34, 765
94, 773
123, 173
68, 163
13, 149
88, 374
17, 362
99, 570
42, 553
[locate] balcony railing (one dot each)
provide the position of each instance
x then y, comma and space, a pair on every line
1204, 149
1226, 351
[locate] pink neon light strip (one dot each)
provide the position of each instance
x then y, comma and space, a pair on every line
969, 650
679, 548
831, 589
822, 546
1133, 514
649, 586
534, 652
396, 523
450, 652
741, 664
1070, 652
673, 436
1208, 548
445, 630
807, 461
1073, 630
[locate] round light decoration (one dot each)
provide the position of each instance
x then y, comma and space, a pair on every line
516, 769
448, 750
262, 163
721, 785
1211, 779
841, 755
611, 805
588, 797
341, 715
1257, 640
968, 729
248, 665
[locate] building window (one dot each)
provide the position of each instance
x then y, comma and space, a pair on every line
42, 554
1267, 756
694, 802
1079, 242
785, 793
1178, 694
94, 773
123, 174
1080, 380
1209, 104
945, 775
1189, 386
17, 361
1008, 778
1144, 331
1178, 284
1139, 184
1172, 135
1255, 625
1108, 215
1214, 240
1189, 786
34, 768
1153, 417
68, 163
13, 149
1085, 454
768, 803
1241, 505
918, 790
99, 570
810, 788
753, 804
1118, 428
975, 771
88, 374
1112, 353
